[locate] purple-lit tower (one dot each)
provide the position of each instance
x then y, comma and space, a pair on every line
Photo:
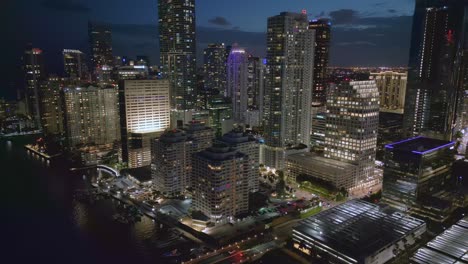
237, 82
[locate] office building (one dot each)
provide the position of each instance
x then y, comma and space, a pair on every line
351, 128
336, 173
214, 67
220, 115
248, 145
449, 247
131, 72
392, 89
287, 107
171, 159
437, 68
322, 29
220, 182
144, 112
319, 123
100, 40
91, 116
357, 232
178, 51
34, 72
416, 172
51, 106
75, 65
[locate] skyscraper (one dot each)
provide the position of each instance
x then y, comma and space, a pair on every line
220, 175
34, 72
237, 82
178, 50
91, 115
74, 62
392, 88
287, 109
51, 107
437, 66
256, 87
351, 128
214, 67
100, 41
322, 29
144, 112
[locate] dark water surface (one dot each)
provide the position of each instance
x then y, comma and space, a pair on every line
43, 223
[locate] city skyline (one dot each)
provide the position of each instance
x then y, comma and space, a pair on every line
376, 28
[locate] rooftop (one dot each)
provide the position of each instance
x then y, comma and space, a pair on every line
449, 247
420, 145
357, 228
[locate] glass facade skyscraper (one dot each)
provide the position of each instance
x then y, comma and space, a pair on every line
322, 29
178, 50
34, 73
416, 169
437, 67
214, 67
100, 40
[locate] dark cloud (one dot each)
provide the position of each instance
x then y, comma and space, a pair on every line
66, 5
356, 43
393, 11
219, 21
372, 41
344, 16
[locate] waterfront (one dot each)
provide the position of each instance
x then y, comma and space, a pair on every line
44, 223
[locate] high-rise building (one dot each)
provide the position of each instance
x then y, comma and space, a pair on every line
415, 171
144, 112
214, 67
201, 135
248, 145
34, 72
171, 158
319, 126
290, 62
91, 115
178, 50
322, 29
237, 82
100, 40
351, 128
220, 114
392, 88
437, 67
220, 181
51, 106
74, 62
256, 83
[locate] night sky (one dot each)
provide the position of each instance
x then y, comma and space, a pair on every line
365, 32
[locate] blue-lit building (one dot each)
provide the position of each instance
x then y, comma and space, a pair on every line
417, 172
